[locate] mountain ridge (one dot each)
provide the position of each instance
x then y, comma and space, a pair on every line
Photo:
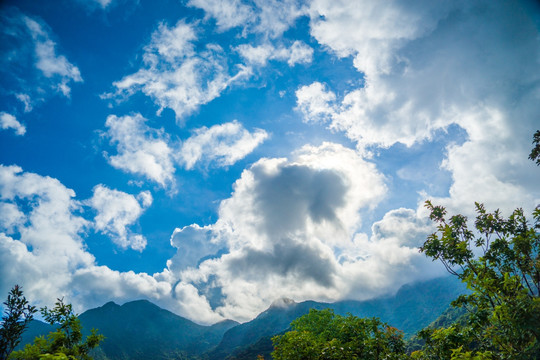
141, 329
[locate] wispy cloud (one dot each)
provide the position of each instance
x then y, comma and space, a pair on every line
222, 145
32, 64
8, 121
176, 76
268, 17
51, 64
298, 53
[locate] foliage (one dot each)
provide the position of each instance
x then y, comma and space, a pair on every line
64, 343
500, 263
17, 316
535, 152
323, 335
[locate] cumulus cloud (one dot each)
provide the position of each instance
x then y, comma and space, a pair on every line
39, 239
150, 152
316, 102
298, 53
175, 75
428, 65
291, 228
116, 211
31, 64
193, 243
8, 121
42, 247
141, 150
222, 144
268, 17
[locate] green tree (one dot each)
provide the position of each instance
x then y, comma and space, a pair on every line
64, 343
323, 335
17, 316
500, 263
535, 152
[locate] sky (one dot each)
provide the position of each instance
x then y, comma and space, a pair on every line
213, 156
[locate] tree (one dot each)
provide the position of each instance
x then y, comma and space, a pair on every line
535, 152
500, 263
17, 316
323, 335
64, 343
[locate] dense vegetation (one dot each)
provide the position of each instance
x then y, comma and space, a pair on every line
323, 335
66, 342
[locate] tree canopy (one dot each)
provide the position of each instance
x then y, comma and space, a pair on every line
64, 343
321, 334
499, 260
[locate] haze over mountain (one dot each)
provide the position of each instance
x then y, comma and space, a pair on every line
142, 330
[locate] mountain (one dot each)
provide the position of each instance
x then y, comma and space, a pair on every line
142, 330
412, 308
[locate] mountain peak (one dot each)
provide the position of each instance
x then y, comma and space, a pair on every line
282, 303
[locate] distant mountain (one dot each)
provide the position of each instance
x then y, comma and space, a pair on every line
35, 329
142, 330
412, 308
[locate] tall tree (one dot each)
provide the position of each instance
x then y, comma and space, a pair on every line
499, 261
17, 316
64, 343
535, 152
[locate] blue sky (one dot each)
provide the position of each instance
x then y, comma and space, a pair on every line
215, 155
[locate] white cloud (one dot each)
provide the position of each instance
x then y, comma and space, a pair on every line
149, 152
141, 149
315, 102
298, 53
176, 76
8, 121
223, 144
269, 17
31, 62
48, 247
228, 13
193, 243
116, 211
291, 229
25, 99
428, 65
51, 64
103, 3
41, 248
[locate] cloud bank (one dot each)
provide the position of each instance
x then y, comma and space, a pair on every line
428, 65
